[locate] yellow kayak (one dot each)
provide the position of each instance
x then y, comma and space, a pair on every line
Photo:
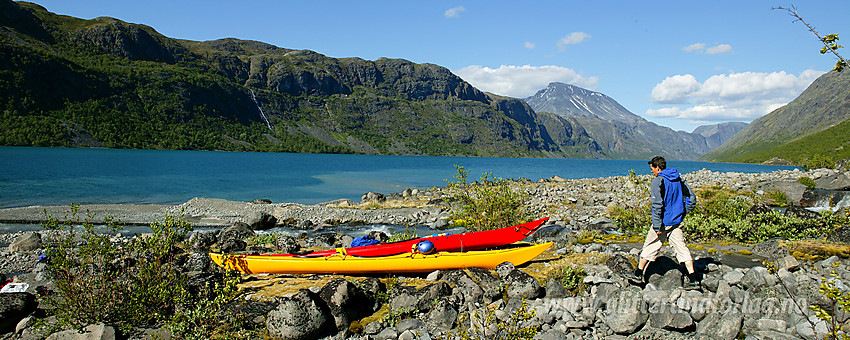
342, 263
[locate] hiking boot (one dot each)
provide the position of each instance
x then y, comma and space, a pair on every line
692, 281
635, 277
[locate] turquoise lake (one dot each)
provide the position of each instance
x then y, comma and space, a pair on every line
61, 176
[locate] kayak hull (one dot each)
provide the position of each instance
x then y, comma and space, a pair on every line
400, 263
447, 242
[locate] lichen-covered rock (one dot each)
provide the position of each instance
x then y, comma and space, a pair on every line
522, 285
301, 316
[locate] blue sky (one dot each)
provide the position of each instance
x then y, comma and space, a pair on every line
677, 63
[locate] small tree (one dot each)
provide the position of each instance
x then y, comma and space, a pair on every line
830, 41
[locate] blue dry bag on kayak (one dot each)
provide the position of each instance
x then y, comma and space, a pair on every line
365, 240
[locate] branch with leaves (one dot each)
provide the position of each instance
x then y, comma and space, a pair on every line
830, 41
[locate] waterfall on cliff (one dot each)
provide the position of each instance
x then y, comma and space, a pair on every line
263, 115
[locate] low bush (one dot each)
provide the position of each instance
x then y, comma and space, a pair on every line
488, 204
130, 284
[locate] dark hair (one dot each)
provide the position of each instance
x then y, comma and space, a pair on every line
658, 162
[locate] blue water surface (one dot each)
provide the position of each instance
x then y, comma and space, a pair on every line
61, 176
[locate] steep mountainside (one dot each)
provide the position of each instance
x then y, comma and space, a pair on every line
822, 107
620, 133
104, 82
716, 134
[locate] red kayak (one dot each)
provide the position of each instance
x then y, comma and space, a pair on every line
442, 242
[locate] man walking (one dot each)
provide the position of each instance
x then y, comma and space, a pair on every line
671, 200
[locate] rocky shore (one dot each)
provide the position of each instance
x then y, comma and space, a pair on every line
738, 296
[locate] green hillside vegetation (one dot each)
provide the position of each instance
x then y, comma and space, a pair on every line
813, 151
106, 83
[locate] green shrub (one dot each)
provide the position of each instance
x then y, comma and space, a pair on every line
818, 161
487, 205
572, 278
808, 182
631, 220
135, 284
408, 234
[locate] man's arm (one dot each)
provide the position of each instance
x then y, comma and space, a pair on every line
656, 202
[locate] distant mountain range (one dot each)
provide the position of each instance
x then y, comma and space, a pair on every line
622, 134
66, 81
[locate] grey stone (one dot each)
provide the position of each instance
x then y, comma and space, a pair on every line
734, 277
806, 331
198, 262
434, 276
669, 316
409, 324
772, 325
90, 332
522, 285
830, 261
201, 241
387, 334
26, 242
373, 197
300, 316
672, 279
788, 263
490, 285
345, 301
504, 268
232, 238
721, 326
793, 190
286, 244
444, 313
404, 298
554, 289
373, 328
839, 182
429, 295
754, 279
261, 220
627, 312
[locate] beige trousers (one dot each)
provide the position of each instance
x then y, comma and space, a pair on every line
673, 234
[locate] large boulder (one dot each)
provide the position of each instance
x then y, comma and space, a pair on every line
792, 189
202, 240
839, 181
429, 295
26, 242
301, 316
287, 244
472, 293
233, 238
522, 285
261, 220
345, 301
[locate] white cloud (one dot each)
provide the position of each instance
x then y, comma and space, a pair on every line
454, 13
719, 49
694, 47
702, 48
522, 81
530, 45
734, 96
572, 39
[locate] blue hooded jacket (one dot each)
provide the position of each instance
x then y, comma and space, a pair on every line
671, 199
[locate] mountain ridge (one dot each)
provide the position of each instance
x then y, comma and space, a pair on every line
625, 134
